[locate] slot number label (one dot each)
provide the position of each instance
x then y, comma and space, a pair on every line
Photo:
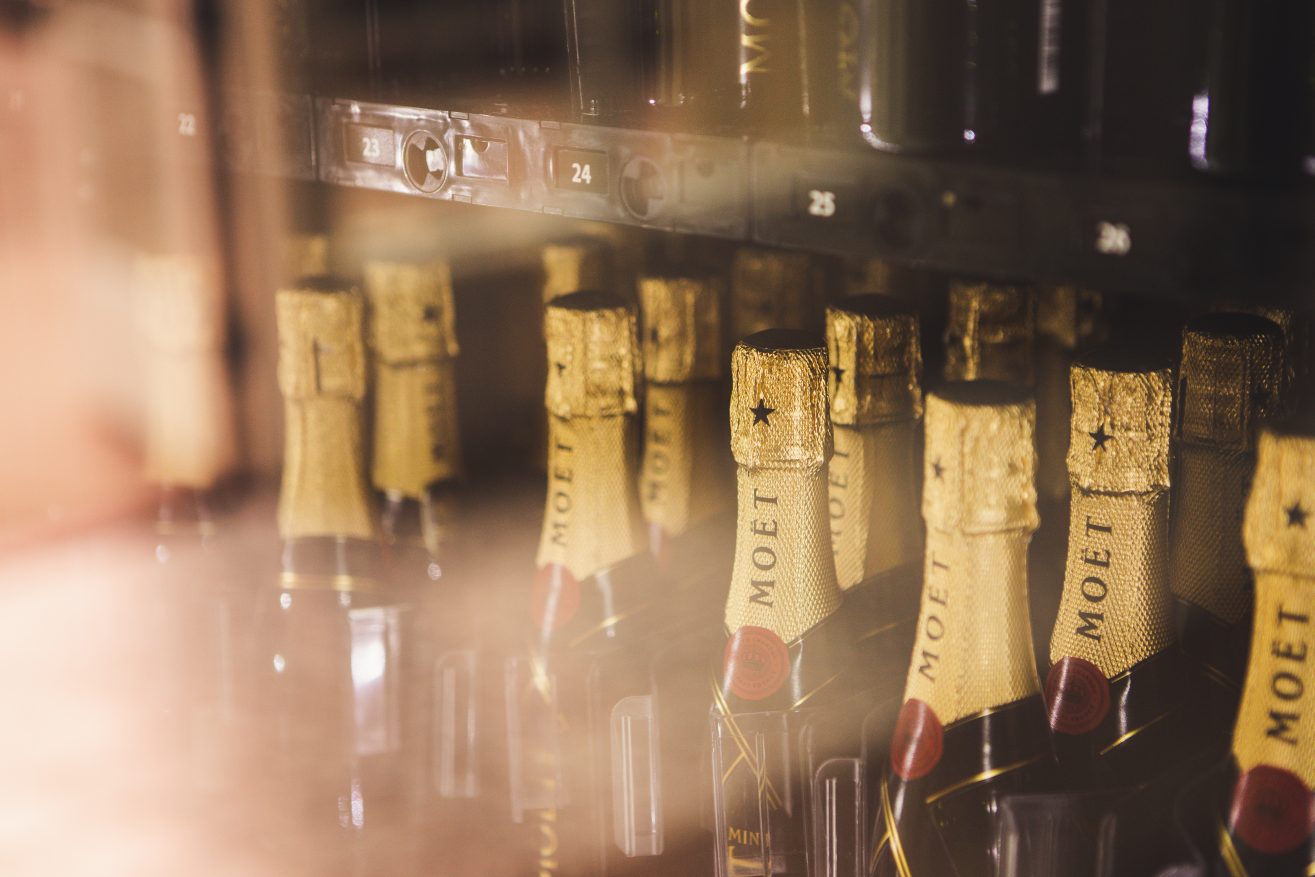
581, 170
369, 145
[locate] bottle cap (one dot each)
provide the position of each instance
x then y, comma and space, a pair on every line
980, 458
1071, 316
570, 266
876, 361
593, 356
411, 313
178, 307
770, 289
682, 328
1280, 513
1122, 414
1230, 378
779, 401
320, 349
990, 333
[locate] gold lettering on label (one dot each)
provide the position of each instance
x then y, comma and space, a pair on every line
753, 46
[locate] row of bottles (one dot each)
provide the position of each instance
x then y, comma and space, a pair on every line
1224, 87
680, 690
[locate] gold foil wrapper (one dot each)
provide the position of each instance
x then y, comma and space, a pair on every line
593, 356
681, 479
979, 459
416, 439
321, 352
1230, 379
589, 515
1207, 564
876, 362
575, 265
772, 289
784, 575
322, 377
779, 402
1070, 316
682, 328
1120, 428
1279, 547
991, 332
412, 317
873, 500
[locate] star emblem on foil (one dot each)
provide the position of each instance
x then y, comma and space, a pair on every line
1099, 438
761, 412
1297, 515
937, 469
839, 373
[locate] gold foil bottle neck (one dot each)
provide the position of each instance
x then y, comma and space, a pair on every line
593, 356
980, 458
574, 265
1121, 423
771, 289
991, 332
305, 255
779, 401
682, 328
1280, 513
876, 361
412, 317
1071, 316
177, 303
321, 353
1230, 379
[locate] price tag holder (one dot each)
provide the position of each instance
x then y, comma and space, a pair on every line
581, 170
365, 144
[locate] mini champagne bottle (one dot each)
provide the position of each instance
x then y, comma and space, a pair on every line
876, 408
990, 333
337, 647
1262, 812
973, 724
1229, 383
788, 647
1114, 686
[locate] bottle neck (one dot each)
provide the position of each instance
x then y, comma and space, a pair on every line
590, 511
873, 499
1207, 566
1273, 726
681, 482
324, 492
1116, 610
973, 647
189, 431
784, 577
416, 442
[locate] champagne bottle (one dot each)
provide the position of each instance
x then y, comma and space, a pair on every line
1265, 825
773, 289
876, 405
337, 645
190, 449
770, 65
593, 595
1115, 676
788, 647
990, 333
973, 724
416, 447
576, 264
1228, 384
684, 489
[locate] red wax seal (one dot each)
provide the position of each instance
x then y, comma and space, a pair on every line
756, 663
918, 741
556, 597
1078, 696
1271, 810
